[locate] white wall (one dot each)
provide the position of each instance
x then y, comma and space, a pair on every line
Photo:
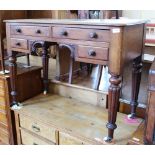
140, 14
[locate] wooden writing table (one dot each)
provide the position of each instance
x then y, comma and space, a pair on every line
115, 43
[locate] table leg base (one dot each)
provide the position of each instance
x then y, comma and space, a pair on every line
45, 92
108, 139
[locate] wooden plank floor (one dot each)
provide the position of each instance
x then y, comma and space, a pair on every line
77, 118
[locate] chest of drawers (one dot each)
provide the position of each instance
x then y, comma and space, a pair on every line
53, 119
26, 79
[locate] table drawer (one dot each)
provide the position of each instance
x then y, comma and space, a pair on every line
37, 31
82, 34
19, 43
89, 52
32, 139
66, 139
38, 128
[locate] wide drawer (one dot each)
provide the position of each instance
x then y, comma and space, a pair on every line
38, 128
19, 43
32, 139
66, 139
89, 52
38, 31
81, 34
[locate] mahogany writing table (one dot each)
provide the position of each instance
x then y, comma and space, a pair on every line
114, 43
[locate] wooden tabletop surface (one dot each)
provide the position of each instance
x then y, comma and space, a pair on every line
106, 22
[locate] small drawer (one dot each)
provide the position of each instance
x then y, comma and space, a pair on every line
19, 43
89, 52
81, 34
66, 139
29, 138
38, 31
38, 128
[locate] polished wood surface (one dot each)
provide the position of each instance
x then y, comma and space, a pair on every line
138, 137
77, 122
123, 37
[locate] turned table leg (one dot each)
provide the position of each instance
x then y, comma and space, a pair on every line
13, 73
136, 78
45, 60
113, 103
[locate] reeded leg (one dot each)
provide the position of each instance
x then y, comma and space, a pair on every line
136, 78
99, 75
113, 103
45, 60
71, 64
13, 73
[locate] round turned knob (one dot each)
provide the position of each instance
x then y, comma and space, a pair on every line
64, 33
18, 44
38, 31
18, 30
93, 35
91, 53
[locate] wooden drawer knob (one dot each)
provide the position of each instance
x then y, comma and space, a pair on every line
91, 53
18, 44
35, 128
93, 35
18, 30
38, 31
64, 33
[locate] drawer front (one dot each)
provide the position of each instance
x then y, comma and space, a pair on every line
31, 139
37, 31
92, 52
81, 34
66, 139
19, 43
38, 128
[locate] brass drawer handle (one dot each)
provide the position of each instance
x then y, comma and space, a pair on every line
18, 30
35, 128
64, 33
93, 35
18, 44
91, 53
38, 31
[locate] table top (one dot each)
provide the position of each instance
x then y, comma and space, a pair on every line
102, 22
